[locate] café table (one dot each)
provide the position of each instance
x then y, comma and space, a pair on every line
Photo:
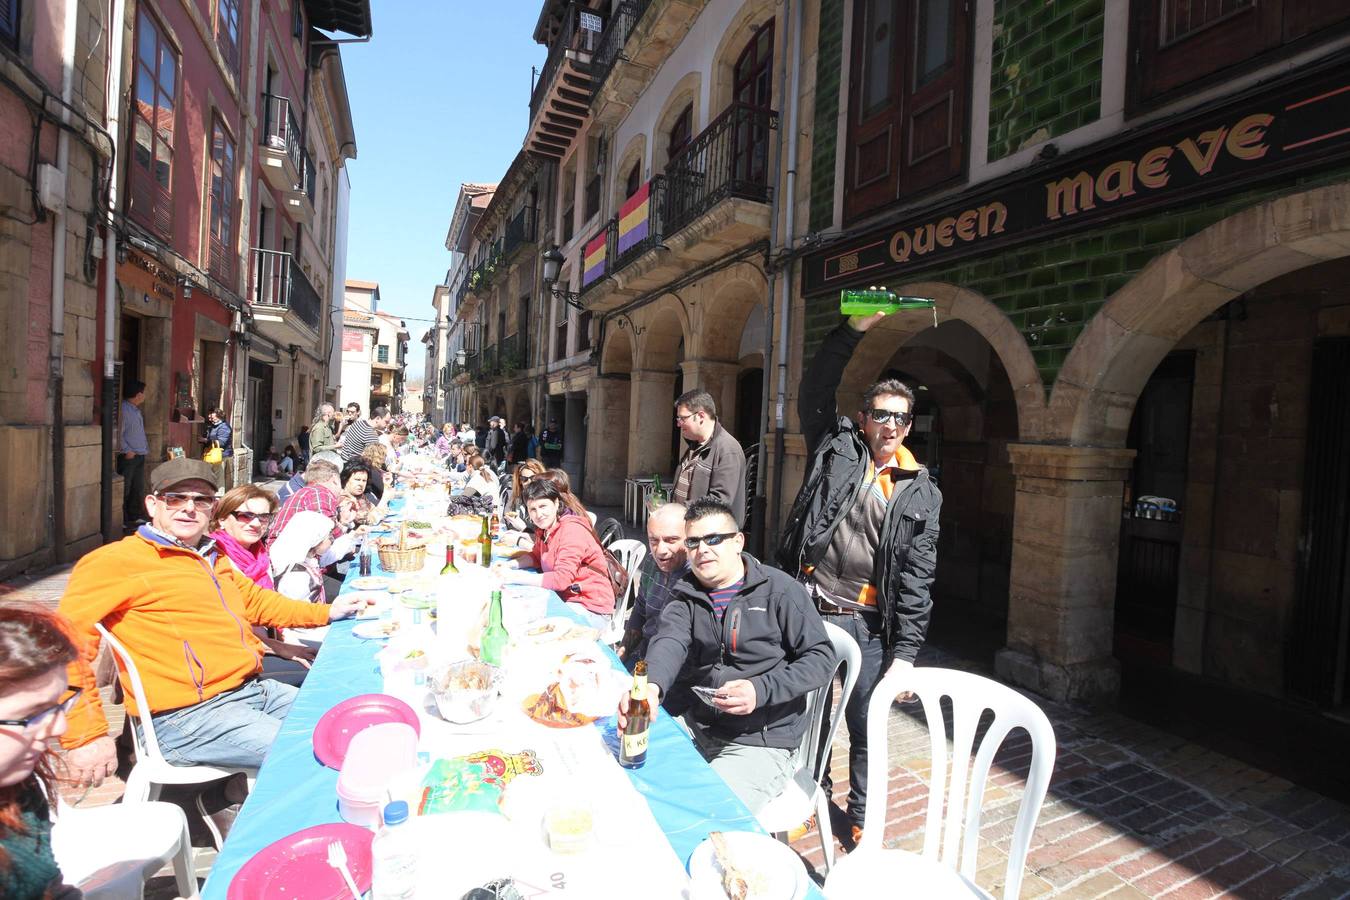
294, 790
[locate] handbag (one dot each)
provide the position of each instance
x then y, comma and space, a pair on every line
617, 574
214, 456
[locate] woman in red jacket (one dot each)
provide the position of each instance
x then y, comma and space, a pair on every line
567, 554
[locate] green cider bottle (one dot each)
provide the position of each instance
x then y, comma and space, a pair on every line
494, 636
658, 495
874, 300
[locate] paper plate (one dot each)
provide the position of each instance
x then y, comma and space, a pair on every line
297, 865
340, 724
414, 600
376, 631
774, 871
372, 583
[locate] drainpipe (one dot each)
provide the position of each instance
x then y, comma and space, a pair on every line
112, 105
57, 343
785, 278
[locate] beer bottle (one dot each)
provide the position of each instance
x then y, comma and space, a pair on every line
875, 300
658, 497
494, 636
633, 741
449, 567
485, 543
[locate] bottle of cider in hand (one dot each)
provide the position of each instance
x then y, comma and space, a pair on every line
633, 741
875, 300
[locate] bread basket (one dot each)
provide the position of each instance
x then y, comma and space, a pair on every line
400, 555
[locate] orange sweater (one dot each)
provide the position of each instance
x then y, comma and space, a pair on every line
185, 621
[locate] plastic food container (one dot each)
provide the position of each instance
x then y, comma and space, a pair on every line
374, 757
465, 691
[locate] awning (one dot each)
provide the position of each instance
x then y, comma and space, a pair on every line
347, 16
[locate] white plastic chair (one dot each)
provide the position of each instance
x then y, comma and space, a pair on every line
946, 867
630, 554
152, 771
803, 795
108, 852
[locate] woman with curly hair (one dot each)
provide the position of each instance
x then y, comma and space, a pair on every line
376, 456
34, 698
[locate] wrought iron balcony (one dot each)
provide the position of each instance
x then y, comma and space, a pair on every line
610, 49
281, 148
520, 231
729, 158
282, 293
560, 101
639, 226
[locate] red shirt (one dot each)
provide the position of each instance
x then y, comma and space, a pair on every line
568, 554
311, 498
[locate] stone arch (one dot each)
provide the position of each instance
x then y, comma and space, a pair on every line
686, 92
953, 304
635, 152
611, 416
663, 340
722, 315
521, 410
752, 14
1095, 393
665, 332
616, 357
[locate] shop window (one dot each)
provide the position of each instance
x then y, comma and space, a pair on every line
222, 200
153, 104
909, 89
227, 32
1179, 42
9, 22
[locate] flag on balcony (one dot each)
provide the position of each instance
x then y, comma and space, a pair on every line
634, 218
593, 260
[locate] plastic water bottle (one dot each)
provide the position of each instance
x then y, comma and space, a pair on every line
394, 856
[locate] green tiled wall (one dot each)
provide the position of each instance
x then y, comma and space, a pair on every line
1047, 71
825, 132
1051, 289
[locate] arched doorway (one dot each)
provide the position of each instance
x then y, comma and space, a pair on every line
657, 379
610, 408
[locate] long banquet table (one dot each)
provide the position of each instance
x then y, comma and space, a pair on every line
294, 790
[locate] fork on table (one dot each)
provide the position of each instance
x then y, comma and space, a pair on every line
337, 858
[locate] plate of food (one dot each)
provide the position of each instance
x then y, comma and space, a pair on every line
559, 628
586, 688
742, 865
372, 582
376, 631
414, 600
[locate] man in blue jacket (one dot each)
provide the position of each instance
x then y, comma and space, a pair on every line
746, 634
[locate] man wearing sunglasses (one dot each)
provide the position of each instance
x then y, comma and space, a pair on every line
737, 650
183, 612
862, 534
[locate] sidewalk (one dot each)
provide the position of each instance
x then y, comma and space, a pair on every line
1132, 811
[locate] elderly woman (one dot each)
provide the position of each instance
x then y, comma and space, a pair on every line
34, 652
567, 554
241, 520
443, 442
296, 554
356, 485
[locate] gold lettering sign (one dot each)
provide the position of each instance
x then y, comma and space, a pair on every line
979, 222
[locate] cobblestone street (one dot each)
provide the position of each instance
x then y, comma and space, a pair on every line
1132, 811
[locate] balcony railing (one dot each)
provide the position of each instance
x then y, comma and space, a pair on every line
520, 231
730, 158
571, 38
279, 281
610, 49
511, 354
629, 234
307, 174
280, 129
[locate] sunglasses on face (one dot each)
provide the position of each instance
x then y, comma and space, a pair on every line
174, 501
37, 720
882, 416
712, 540
249, 517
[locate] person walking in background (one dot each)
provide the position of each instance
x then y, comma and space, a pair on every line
131, 457
218, 434
519, 449
302, 439
532, 439
863, 531
713, 468
551, 445
494, 449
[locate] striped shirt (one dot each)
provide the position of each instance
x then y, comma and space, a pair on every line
358, 436
722, 597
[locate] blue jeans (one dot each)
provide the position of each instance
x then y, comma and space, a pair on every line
866, 630
235, 728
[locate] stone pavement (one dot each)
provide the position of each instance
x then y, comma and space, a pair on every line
1132, 812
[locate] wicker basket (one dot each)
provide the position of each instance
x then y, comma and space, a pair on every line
409, 559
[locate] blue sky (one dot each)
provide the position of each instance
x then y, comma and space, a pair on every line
439, 96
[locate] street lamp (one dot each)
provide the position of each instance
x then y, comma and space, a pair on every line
553, 261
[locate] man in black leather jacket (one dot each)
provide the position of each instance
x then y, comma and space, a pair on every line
863, 531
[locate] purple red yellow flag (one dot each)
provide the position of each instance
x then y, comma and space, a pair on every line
593, 259
635, 218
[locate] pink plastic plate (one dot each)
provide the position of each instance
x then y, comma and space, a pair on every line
297, 865
341, 723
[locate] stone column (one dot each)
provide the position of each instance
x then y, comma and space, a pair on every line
1061, 605
608, 406
717, 378
651, 419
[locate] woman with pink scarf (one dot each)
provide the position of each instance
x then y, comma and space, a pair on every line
242, 519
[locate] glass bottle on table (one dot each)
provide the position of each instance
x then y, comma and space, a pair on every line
449, 567
658, 495
633, 741
485, 543
495, 636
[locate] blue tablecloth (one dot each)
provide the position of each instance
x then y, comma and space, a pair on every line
294, 790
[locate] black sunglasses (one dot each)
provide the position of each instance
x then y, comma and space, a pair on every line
712, 540
247, 517
882, 416
36, 720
